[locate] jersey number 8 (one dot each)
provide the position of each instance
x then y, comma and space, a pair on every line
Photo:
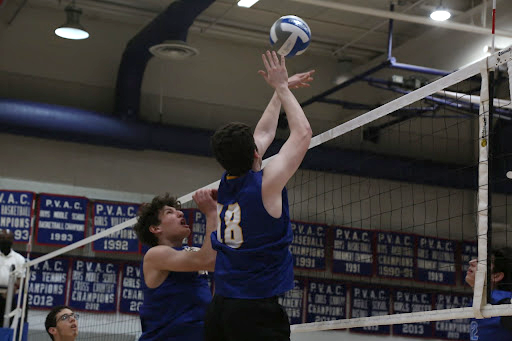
233, 236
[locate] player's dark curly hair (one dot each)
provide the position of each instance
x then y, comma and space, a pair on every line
233, 146
502, 260
51, 318
148, 216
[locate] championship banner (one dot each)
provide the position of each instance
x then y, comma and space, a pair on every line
453, 329
47, 285
197, 222
407, 301
370, 302
94, 285
436, 260
469, 251
395, 255
293, 302
352, 251
325, 301
131, 290
107, 215
61, 219
16, 213
308, 245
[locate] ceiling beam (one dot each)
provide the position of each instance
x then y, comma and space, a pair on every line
404, 17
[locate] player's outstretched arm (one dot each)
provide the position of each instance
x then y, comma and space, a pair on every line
265, 130
287, 161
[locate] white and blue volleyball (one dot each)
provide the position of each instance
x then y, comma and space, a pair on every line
290, 36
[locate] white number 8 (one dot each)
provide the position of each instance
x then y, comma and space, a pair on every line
233, 236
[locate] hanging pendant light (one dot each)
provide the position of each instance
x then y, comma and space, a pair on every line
440, 13
72, 28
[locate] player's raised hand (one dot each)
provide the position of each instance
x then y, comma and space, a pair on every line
301, 80
206, 200
276, 74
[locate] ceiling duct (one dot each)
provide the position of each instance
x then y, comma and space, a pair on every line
82, 126
170, 25
173, 50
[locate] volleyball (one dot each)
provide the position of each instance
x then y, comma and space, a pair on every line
290, 36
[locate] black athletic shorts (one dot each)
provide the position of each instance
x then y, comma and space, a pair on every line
235, 319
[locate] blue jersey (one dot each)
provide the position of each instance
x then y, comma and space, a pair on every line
253, 256
176, 309
490, 329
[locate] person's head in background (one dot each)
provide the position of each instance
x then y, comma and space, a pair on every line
6, 240
62, 324
501, 269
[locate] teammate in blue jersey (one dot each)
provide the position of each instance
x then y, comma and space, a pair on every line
176, 292
494, 328
254, 265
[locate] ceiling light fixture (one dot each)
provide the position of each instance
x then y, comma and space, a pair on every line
440, 13
247, 3
72, 28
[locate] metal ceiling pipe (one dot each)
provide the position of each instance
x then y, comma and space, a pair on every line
503, 113
323, 48
348, 82
81, 126
404, 17
387, 63
416, 68
390, 33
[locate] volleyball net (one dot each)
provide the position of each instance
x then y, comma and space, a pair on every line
387, 210
407, 207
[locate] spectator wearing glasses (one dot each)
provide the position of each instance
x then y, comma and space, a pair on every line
62, 324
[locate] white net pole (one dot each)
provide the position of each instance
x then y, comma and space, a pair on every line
482, 200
